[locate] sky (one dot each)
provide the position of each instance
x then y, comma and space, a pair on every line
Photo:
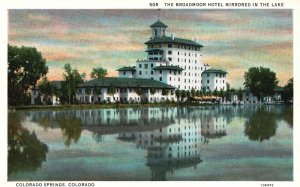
233, 40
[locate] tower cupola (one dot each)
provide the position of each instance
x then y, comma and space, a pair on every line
158, 29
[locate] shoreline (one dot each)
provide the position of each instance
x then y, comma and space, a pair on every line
104, 106
114, 105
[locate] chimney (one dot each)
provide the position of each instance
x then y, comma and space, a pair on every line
172, 36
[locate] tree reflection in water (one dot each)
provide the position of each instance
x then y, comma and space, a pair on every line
288, 115
71, 128
261, 125
25, 151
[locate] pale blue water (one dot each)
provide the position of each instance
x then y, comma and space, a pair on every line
227, 143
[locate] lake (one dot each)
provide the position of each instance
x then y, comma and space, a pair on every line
205, 143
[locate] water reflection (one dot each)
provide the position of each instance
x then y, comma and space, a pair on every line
71, 128
261, 125
172, 138
25, 151
288, 116
169, 148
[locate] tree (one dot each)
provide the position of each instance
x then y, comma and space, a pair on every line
260, 81
240, 94
26, 66
178, 94
96, 90
288, 91
111, 90
183, 95
165, 92
72, 80
139, 91
215, 92
98, 72
152, 91
193, 92
48, 89
88, 91
221, 93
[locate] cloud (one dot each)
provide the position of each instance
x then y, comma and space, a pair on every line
234, 40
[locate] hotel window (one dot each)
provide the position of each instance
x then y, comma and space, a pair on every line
178, 53
140, 72
189, 53
195, 61
146, 66
178, 60
160, 78
140, 65
169, 52
216, 81
124, 72
170, 78
207, 75
207, 81
151, 65
201, 68
169, 45
184, 73
170, 59
160, 71
151, 72
223, 81
184, 54
195, 54
178, 79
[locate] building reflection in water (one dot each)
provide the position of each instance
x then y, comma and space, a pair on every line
177, 145
172, 137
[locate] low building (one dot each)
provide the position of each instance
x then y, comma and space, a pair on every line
38, 98
249, 98
124, 90
213, 79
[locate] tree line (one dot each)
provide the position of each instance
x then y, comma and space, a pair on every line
27, 67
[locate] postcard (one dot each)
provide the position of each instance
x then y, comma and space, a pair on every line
199, 92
